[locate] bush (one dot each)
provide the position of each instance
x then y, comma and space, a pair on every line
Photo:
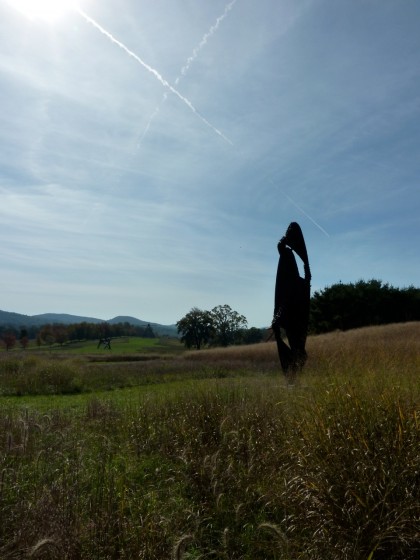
38, 376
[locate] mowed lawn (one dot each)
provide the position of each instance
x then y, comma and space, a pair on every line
212, 454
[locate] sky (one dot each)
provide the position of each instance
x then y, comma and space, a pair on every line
153, 152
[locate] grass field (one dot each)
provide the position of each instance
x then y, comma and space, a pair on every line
121, 345
166, 454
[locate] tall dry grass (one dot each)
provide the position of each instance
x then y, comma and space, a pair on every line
240, 467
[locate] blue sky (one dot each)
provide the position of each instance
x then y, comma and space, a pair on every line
152, 152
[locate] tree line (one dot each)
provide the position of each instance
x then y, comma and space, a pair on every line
337, 307
364, 303
59, 333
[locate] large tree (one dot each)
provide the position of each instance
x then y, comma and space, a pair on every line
196, 328
228, 325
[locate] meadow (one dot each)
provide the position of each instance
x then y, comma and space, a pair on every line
151, 452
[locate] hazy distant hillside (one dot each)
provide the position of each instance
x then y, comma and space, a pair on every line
64, 319
15, 319
18, 320
126, 319
169, 330
10, 319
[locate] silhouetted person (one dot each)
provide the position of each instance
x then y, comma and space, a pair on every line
291, 301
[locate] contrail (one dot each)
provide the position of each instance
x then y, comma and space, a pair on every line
290, 199
204, 40
152, 71
149, 122
190, 60
305, 214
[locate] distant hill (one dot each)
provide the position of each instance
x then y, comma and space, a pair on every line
62, 318
127, 319
169, 330
18, 320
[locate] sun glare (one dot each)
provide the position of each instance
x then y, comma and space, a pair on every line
48, 10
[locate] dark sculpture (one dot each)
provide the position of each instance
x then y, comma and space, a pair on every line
291, 302
105, 342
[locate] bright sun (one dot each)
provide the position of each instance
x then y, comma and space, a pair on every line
49, 10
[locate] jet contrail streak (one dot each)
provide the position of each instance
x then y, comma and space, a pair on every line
205, 38
149, 122
190, 60
152, 71
306, 214
290, 199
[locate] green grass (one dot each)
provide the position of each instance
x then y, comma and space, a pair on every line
127, 345
119, 346
212, 455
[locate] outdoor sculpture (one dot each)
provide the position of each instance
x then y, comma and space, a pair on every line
291, 301
105, 342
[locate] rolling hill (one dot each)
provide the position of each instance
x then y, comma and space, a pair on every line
18, 320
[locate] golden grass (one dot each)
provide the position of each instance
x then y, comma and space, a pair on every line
234, 467
396, 345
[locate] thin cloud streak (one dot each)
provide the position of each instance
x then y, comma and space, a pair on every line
290, 199
149, 122
306, 214
204, 40
155, 73
186, 67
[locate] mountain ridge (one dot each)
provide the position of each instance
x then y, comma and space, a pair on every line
17, 320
